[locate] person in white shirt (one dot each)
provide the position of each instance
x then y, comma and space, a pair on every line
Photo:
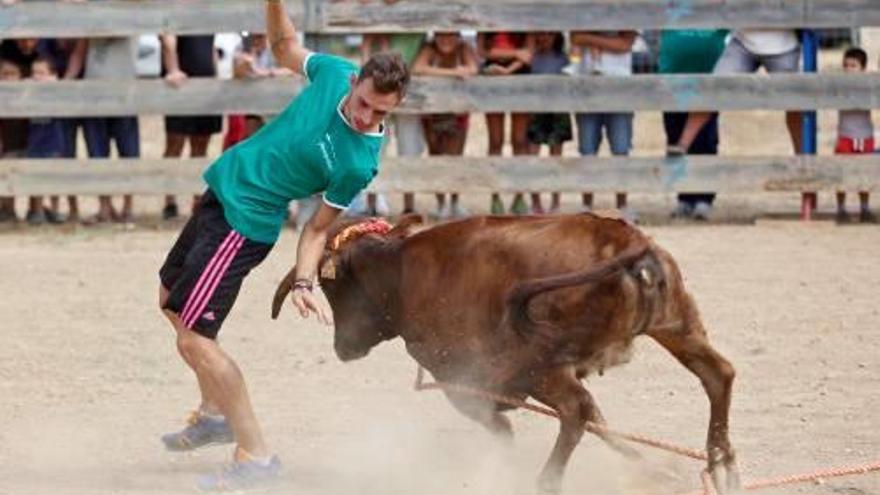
777, 50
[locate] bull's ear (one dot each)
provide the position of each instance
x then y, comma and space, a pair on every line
404, 225
328, 270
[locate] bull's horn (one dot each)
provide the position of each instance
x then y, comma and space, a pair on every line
281, 292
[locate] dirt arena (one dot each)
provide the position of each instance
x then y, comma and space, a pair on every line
89, 377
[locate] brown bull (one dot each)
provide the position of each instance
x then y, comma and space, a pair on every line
523, 307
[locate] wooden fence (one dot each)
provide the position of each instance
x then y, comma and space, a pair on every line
533, 93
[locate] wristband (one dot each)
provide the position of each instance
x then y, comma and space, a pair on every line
303, 284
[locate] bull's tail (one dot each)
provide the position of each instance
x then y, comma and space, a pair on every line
521, 296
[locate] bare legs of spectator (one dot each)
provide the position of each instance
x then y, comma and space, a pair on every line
555, 197
495, 125
72, 207
198, 148
519, 140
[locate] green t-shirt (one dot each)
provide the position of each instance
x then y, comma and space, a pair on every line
408, 45
309, 148
690, 51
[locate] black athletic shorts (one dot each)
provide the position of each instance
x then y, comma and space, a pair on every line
206, 266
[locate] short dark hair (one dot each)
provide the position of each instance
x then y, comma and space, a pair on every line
857, 54
388, 72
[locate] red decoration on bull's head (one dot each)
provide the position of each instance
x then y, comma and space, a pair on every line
356, 231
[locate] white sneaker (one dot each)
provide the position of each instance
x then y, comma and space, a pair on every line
702, 211
444, 212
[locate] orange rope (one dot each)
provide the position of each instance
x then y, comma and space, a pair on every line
799, 478
589, 426
705, 477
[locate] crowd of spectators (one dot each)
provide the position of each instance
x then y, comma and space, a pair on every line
439, 54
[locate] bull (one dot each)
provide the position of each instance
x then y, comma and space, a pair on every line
522, 307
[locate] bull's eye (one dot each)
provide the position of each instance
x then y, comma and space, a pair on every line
646, 276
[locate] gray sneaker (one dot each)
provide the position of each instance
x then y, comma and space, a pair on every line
242, 475
702, 211
201, 431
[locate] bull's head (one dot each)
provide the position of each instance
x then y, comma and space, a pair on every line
358, 274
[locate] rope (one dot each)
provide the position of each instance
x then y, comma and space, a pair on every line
794, 479
595, 428
705, 476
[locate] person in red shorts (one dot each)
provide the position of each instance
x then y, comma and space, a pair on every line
855, 135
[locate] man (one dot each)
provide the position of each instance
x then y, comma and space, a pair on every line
328, 140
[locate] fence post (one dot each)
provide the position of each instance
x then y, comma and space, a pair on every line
809, 42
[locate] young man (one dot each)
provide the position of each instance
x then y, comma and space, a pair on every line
327, 141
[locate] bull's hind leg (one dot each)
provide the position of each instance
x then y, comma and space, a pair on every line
691, 347
484, 412
562, 391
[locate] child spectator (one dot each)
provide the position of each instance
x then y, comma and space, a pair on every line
46, 139
552, 129
13, 137
855, 135
506, 54
446, 133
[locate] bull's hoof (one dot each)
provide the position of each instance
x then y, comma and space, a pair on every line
549, 486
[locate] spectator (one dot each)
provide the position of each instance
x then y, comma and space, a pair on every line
446, 134
855, 135
407, 128
21, 53
777, 50
109, 58
552, 129
254, 61
506, 54
13, 136
184, 57
46, 139
605, 54
689, 51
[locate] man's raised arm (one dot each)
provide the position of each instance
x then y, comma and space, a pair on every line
282, 38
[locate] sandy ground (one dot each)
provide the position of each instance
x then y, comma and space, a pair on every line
89, 377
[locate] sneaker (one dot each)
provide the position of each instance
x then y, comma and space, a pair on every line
682, 210
53, 217
519, 207
497, 206
36, 217
170, 212
200, 432
866, 216
443, 212
702, 211
842, 216
242, 475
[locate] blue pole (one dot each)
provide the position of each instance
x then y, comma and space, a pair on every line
811, 55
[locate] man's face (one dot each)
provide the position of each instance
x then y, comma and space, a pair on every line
366, 107
852, 65
9, 71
